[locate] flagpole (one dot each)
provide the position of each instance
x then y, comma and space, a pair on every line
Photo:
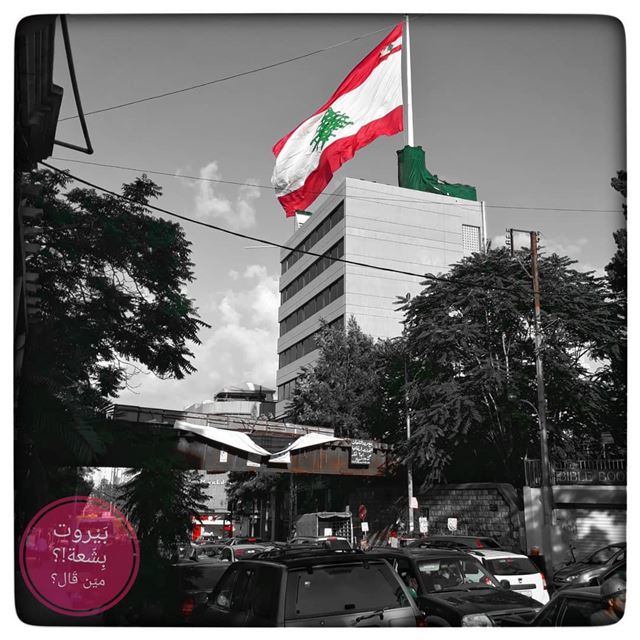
407, 57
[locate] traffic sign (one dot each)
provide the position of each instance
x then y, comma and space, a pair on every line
362, 512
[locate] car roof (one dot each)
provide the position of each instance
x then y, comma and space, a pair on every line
418, 553
313, 557
493, 554
586, 593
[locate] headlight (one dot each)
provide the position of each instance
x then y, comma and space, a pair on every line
573, 577
477, 620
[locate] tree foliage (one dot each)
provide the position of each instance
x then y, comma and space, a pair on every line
160, 502
111, 283
473, 381
111, 280
342, 388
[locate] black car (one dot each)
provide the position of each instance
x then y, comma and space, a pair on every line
594, 565
569, 608
310, 588
455, 542
618, 570
453, 589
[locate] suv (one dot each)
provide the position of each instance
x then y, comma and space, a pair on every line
314, 589
517, 570
456, 542
454, 589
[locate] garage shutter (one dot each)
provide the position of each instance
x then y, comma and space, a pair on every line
597, 528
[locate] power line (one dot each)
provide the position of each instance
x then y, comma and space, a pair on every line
224, 79
424, 276
319, 193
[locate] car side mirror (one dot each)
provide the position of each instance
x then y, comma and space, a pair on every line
505, 584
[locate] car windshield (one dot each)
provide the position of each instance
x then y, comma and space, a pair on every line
455, 574
602, 555
511, 566
343, 589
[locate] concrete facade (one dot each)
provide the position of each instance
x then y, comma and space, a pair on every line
380, 225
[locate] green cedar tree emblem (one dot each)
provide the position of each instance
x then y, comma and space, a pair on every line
330, 123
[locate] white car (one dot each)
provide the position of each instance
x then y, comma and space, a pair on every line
523, 576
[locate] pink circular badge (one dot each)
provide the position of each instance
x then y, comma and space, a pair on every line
79, 556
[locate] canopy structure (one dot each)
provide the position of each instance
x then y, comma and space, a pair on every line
243, 442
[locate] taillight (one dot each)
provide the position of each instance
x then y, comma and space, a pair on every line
187, 607
421, 620
544, 580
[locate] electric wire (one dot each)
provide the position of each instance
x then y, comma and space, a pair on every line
423, 276
334, 193
225, 78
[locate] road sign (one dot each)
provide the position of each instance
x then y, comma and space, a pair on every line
365, 527
452, 524
423, 524
362, 512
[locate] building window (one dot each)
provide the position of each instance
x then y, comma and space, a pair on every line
319, 232
304, 346
328, 295
470, 238
312, 272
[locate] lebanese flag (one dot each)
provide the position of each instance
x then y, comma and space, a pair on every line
366, 105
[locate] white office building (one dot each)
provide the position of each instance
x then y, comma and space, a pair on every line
371, 223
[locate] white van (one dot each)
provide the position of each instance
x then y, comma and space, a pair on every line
523, 576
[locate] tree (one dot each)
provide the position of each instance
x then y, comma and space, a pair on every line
341, 390
160, 503
111, 283
473, 384
616, 270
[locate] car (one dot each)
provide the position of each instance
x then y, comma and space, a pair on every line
310, 588
618, 570
454, 589
232, 542
194, 582
238, 551
455, 542
594, 565
517, 569
569, 608
329, 542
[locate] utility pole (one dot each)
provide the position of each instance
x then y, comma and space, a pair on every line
409, 465
545, 481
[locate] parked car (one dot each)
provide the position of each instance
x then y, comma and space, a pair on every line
455, 542
523, 576
329, 542
242, 551
618, 570
594, 565
310, 588
195, 581
454, 589
569, 608
232, 542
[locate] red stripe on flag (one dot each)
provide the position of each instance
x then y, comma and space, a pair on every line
335, 155
358, 76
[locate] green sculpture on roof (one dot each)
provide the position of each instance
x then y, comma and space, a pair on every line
413, 174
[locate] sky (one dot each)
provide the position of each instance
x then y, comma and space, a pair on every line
528, 109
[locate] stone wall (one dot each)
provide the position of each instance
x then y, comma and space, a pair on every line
482, 509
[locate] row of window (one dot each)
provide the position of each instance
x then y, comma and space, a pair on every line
312, 272
319, 232
285, 391
319, 301
302, 348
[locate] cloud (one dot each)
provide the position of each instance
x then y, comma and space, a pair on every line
240, 347
210, 205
